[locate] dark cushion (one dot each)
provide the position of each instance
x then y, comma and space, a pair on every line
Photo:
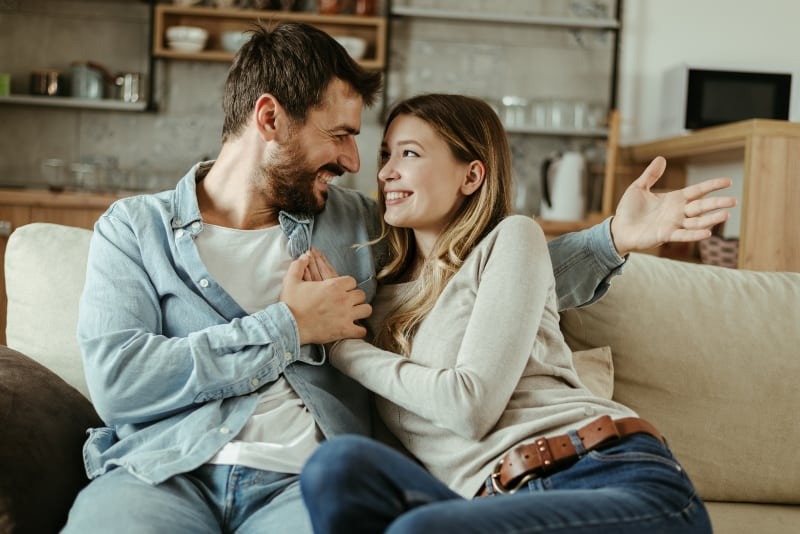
43, 422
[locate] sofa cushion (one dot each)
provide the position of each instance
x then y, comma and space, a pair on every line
710, 356
45, 270
44, 422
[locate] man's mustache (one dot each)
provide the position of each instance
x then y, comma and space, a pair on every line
333, 168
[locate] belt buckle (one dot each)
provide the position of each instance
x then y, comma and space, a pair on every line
498, 486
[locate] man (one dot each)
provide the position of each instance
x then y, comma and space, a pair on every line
202, 348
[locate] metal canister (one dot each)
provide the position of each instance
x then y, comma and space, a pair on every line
47, 83
129, 86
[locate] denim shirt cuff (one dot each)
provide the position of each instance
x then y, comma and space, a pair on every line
602, 246
282, 329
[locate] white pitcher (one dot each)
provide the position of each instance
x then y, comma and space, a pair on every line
564, 187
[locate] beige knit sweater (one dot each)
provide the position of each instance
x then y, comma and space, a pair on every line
489, 367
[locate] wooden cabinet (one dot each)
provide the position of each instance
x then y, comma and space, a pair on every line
769, 231
19, 207
218, 20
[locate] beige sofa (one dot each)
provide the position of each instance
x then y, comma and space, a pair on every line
710, 355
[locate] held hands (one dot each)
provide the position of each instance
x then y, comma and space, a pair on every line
324, 304
645, 219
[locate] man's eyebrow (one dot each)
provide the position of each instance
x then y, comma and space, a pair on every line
349, 129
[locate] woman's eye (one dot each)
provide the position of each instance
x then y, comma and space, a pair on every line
410, 154
383, 156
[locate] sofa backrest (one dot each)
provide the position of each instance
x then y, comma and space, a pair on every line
45, 268
710, 355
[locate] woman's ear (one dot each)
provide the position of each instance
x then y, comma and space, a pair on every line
474, 178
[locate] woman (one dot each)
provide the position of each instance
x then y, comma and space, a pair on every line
470, 364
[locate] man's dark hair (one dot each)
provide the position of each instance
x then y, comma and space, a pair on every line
294, 62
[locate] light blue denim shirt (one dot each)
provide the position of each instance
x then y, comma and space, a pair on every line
174, 364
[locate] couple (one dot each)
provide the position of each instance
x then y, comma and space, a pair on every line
204, 343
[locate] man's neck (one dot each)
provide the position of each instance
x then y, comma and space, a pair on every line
228, 196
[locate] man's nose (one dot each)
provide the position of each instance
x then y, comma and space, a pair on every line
349, 158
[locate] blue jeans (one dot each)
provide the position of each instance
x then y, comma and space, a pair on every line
213, 499
354, 485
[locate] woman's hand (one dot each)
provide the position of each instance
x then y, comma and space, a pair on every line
318, 267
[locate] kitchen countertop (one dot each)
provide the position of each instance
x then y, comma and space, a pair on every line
63, 199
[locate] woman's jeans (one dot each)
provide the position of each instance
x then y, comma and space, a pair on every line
353, 484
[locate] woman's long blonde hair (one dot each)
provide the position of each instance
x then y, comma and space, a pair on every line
473, 131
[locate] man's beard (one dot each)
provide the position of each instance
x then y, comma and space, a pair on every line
289, 184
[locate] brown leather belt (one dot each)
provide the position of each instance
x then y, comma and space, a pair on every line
547, 455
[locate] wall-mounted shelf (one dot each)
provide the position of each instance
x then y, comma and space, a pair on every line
534, 20
217, 21
71, 102
600, 133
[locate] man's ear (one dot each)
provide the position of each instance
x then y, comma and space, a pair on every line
270, 117
474, 178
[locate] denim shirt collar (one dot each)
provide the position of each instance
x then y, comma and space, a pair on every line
297, 227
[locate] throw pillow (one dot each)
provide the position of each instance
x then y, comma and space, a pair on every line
44, 422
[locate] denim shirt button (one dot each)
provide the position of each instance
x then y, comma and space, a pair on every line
287, 356
179, 234
195, 225
225, 430
254, 381
203, 282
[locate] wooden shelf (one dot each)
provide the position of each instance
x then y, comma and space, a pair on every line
217, 21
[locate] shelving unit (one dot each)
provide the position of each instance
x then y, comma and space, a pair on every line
542, 21
769, 229
530, 20
217, 21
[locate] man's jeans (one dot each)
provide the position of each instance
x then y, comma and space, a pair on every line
354, 485
213, 499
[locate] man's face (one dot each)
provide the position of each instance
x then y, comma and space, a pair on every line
316, 152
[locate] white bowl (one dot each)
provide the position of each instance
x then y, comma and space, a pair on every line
186, 46
187, 34
232, 41
355, 46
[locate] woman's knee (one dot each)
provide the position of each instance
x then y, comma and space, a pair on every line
343, 459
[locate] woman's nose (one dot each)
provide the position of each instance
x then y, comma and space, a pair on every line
387, 172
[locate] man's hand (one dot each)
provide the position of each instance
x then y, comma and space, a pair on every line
325, 310
645, 220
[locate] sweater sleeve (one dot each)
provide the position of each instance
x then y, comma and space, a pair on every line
511, 282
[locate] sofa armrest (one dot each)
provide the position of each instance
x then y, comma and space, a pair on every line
44, 422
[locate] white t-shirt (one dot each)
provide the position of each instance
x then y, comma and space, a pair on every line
250, 265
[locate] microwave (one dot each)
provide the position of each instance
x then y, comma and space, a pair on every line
701, 96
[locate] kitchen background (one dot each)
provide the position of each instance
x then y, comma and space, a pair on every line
151, 150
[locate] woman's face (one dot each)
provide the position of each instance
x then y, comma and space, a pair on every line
422, 182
